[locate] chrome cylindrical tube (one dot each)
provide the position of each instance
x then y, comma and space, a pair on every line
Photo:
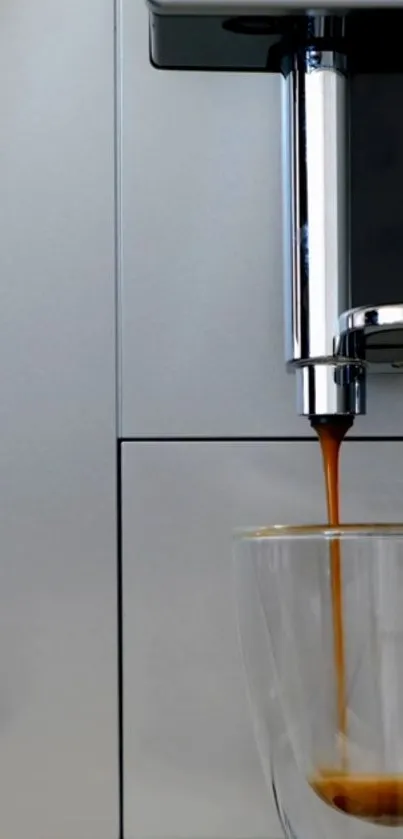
316, 191
317, 225
331, 389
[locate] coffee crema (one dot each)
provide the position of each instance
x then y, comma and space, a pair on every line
373, 798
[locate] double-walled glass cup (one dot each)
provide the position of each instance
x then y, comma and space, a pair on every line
320, 614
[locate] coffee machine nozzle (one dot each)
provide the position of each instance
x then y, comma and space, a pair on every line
330, 346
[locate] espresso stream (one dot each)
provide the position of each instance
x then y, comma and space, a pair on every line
374, 798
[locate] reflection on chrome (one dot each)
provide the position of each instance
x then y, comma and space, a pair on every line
329, 343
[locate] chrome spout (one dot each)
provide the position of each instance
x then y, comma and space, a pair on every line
317, 223
373, 335
331, 388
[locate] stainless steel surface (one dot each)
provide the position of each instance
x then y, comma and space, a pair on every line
202, 325
372, 318
328, 389
316, 166
316, 198
316, 193
188, 739
58, 623
202, 290
378, 334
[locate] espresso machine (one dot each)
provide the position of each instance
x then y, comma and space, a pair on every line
342, 323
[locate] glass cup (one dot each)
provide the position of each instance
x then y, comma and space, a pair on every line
320, 616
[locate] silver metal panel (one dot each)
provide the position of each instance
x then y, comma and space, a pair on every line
58, 721
202, 301
191, 768
202, 338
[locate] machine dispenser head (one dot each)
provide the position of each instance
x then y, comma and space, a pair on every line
319, 54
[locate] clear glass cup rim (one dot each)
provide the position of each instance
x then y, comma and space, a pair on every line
319, 531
